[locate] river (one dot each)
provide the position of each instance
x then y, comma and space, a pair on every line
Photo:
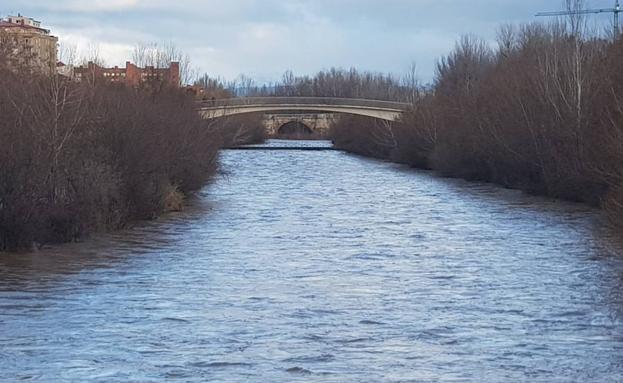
323, 266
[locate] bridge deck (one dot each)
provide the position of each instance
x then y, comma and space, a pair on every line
297, 101
385, 110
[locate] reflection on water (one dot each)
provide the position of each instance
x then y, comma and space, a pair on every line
322, 266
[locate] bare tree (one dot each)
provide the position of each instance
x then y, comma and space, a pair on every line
576, 20
412, 82
92, 54
68, 53
161, 55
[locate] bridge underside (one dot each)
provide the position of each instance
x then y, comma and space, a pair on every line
295, 128
380, 113
296, 124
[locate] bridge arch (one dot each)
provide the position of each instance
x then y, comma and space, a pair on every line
295, 128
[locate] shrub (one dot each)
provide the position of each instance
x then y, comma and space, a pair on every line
81, 157
543, 113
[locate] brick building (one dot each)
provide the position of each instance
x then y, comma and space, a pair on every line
31, 45
131, 75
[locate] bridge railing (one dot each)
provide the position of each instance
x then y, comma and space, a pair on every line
330, 101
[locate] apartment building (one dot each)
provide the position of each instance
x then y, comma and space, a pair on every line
30, 45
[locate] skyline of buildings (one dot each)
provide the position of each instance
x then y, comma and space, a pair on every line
131, 75
33, 47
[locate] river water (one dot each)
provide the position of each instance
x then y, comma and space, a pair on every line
323, 266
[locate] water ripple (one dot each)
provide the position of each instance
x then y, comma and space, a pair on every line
323, 266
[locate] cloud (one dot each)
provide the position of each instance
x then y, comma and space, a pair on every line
103, 5
265, 37
77, 5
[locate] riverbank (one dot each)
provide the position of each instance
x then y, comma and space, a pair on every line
541, 113
83, 157
244, 129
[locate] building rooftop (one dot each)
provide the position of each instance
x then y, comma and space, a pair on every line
23, 23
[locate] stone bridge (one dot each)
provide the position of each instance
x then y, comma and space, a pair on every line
384, 110
282, 124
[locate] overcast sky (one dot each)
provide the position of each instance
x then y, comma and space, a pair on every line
263, 38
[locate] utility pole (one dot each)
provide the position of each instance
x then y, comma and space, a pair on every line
615, 11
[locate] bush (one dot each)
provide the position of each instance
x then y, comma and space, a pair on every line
542, 113
81, 157
244, 129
